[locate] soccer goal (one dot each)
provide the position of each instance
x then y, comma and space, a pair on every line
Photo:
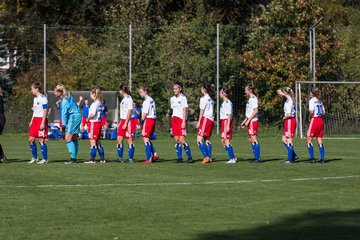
342, 108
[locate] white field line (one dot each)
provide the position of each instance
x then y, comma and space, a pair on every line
176, 183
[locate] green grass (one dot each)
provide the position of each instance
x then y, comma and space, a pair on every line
181, 201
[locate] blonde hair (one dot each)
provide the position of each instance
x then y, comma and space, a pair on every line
61, 88
97, 93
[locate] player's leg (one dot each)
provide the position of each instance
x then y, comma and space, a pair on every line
186, 148
148, 151
120, 148
101, 151
70, 144
178, 148
202, 147
310, 148
321, 149
229, 149
131, 149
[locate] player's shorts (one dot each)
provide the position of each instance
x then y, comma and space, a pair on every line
73, 126
148, 128
35, 131
316, 127
177, 130
129, 131
253, 128
60, 124
227, 135
83, 121
94, 129
206, 127
289, 127
103, 121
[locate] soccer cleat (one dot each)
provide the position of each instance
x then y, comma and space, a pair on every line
232, 160
288, 162
90, 162
190, 160
130, 161
155, 157
33, 160
70, 161
322, 161
147, 162
120, 160
310, 161
179, 160
103, 161
255, 161
296, 157
206, 160
42, 161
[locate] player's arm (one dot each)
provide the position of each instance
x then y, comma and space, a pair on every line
255, 111
227, 128
64, 115
45, 106
80, 100
128, 116
200, 116
183, 124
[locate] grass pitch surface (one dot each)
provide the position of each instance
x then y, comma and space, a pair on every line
166, 200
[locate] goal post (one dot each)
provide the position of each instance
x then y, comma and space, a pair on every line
342, 107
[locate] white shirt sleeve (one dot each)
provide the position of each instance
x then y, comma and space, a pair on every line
184, 102
145, 107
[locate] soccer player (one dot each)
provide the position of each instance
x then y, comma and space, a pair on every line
179, 106
251, 121
289, 123
127, 125
58, 105
71, 120
38, 126
85, 107
104, 111
94, 127
148, 122
2, 124
316, 125
205, 123
136, 115
227, 124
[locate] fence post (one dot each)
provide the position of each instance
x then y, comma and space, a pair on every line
44, 67
217, 76
130, 55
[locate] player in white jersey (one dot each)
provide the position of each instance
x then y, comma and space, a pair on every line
148, 122
251, 121
227, 124
205, 123
38, 124
289, 123
127, 124
179, 106
94, 126
316, 125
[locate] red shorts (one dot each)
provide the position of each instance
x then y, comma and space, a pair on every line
129, 131
34, 130
148, 127
60, 124
316, 127
103, 121
289, 127
94, 129
253, 128
83, 121
206, 127
227, 135
176, 128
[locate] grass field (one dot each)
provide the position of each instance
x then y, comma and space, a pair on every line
181, 201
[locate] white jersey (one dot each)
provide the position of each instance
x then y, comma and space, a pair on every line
126, 105
289, 107
207, 104
149, 108
250, 105
177, 104
95, 108
317, 107
40, 103
226, 109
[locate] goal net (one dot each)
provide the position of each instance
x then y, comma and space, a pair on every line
342, 108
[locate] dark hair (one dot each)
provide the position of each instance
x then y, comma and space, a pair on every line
180, 85
289, 91
252, 88
125, 89
227, 92
37, 86
145, 88
315, 91
209, 90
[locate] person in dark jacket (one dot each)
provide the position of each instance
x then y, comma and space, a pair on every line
2, 124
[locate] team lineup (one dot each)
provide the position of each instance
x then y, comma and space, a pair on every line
73, 122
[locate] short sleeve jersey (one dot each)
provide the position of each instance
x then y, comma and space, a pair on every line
126, 105
226, 109
207, 104
95, 108
177, 104
250, 105
149, 107
85, 109
40, 103
289, 107
316, 106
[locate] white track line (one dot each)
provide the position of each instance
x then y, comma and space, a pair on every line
175, 183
